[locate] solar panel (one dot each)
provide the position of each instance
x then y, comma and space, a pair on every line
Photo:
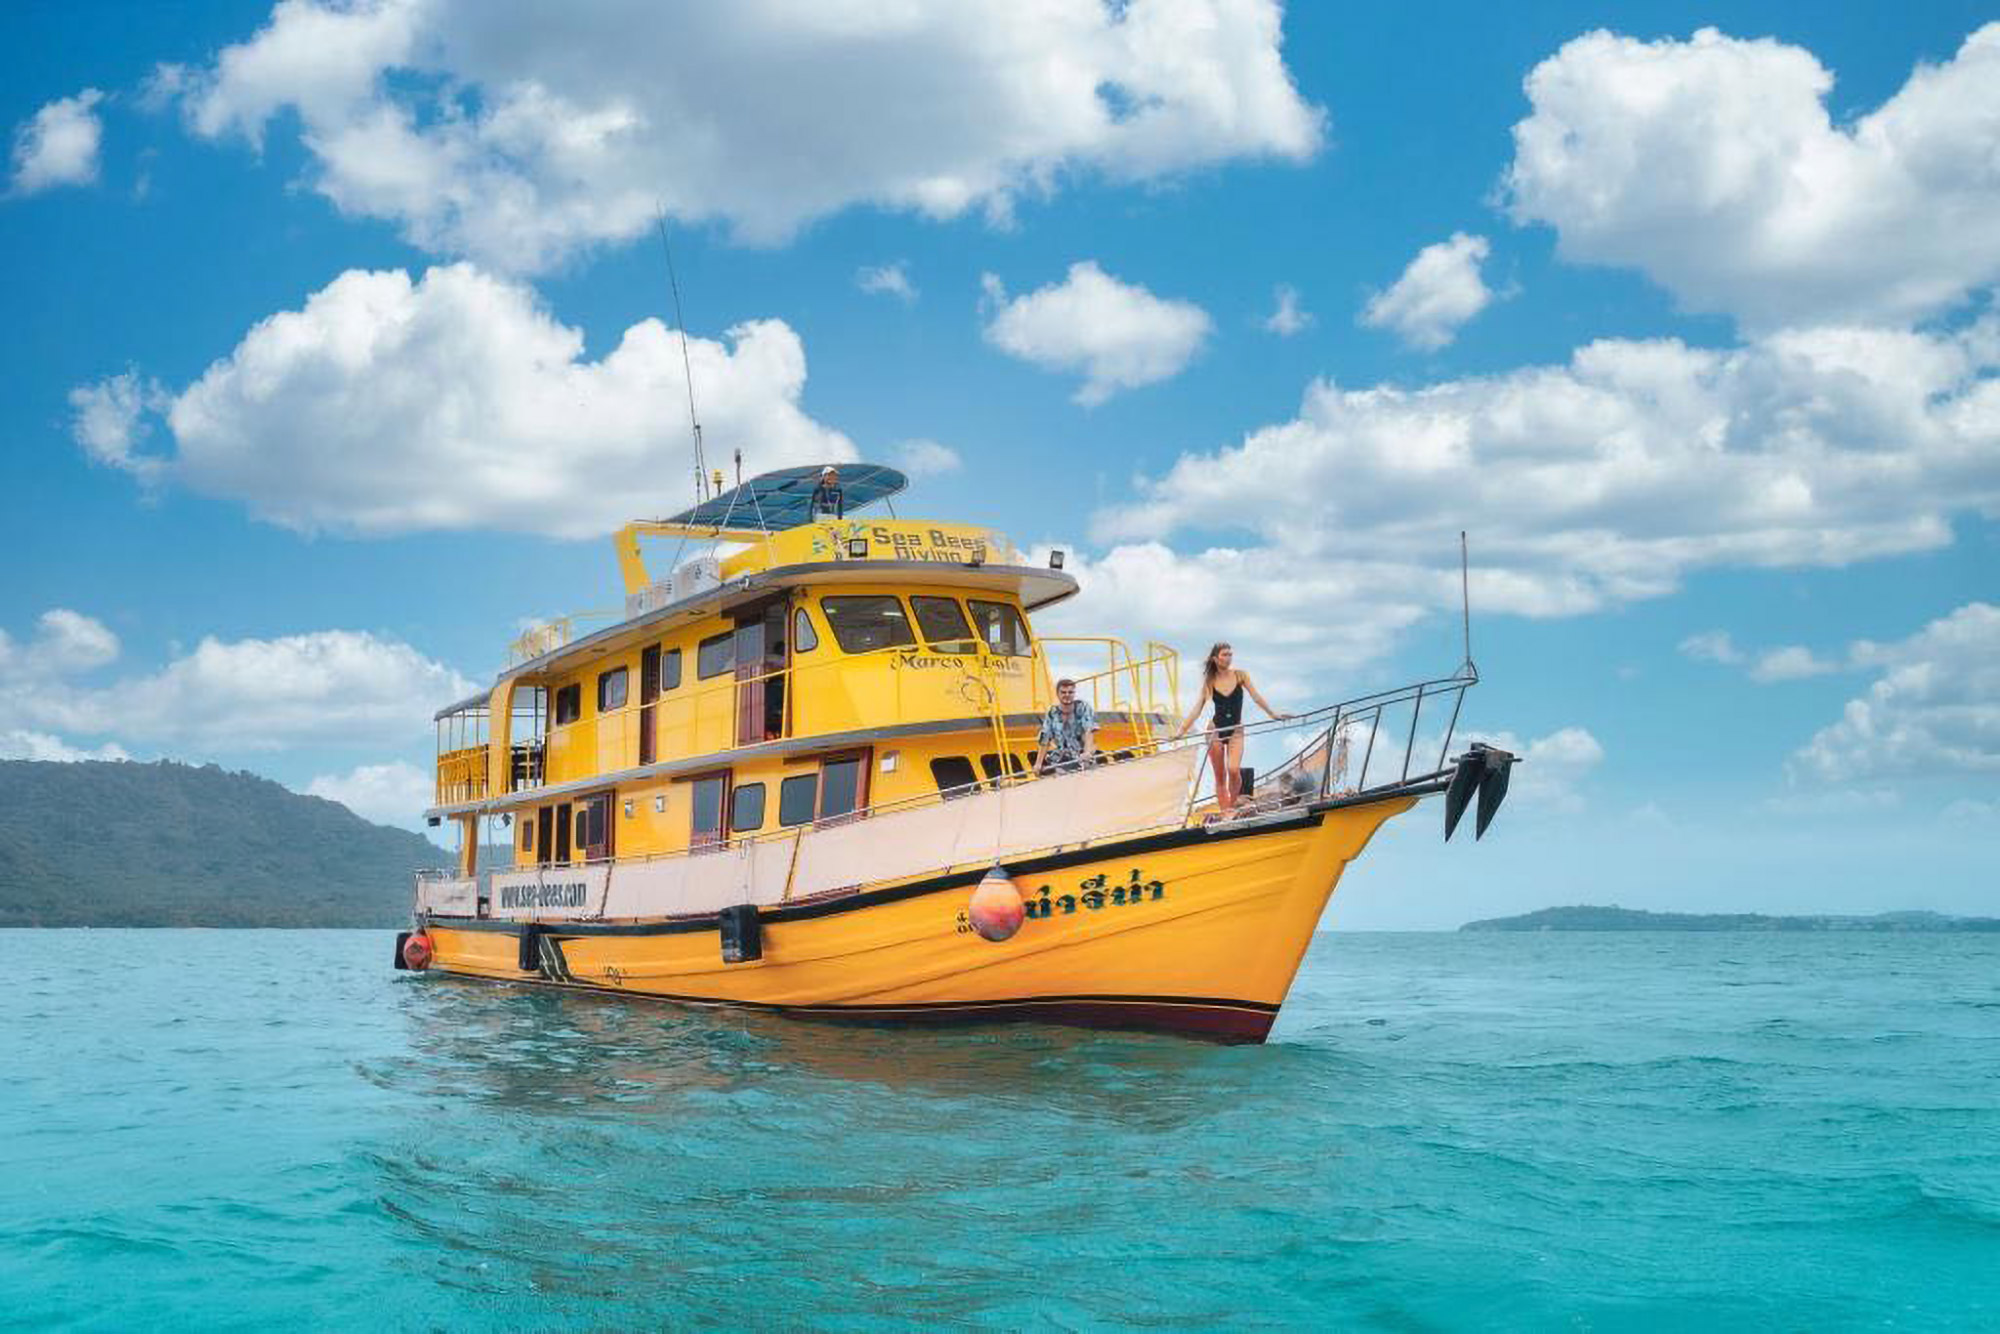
774, 501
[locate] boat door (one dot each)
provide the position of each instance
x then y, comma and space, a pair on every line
649, 694
593, 827
760, 652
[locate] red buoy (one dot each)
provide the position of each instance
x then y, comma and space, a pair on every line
995, 911
417, 952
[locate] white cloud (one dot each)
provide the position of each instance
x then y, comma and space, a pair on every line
1712, 165
396, 793
18, 743
455, 401
887, 280
334, 687
1289, 318
1583, 486
927, 458
1712, 646
517, 134
1935, 709
113, 419
1117, 335
65, 642
1439, 291
58, 145
1793, 662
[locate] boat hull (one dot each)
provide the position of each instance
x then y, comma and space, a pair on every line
1197, 932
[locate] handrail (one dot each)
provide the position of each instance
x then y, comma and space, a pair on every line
1327, 722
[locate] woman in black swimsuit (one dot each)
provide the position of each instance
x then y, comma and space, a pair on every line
1226, 685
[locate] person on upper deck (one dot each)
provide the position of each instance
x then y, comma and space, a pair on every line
826, 497
1226, 684
1069, 732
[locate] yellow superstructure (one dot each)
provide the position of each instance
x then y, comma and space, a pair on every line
772, 778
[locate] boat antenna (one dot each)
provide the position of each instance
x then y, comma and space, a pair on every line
687, 367
1465, 601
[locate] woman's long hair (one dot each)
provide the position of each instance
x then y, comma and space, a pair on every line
1209, 671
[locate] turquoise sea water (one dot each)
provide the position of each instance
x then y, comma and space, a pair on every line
272, 1129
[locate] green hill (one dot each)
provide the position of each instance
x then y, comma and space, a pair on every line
105, 843
1587, 918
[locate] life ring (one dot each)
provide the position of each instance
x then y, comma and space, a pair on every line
417, 952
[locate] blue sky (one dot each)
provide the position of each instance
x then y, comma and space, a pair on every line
1693, 330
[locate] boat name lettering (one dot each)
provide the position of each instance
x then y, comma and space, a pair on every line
934, 545
567, 895
1096, 894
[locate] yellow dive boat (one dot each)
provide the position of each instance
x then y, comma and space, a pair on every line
779, 776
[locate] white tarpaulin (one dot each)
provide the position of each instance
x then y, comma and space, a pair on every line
1062, 810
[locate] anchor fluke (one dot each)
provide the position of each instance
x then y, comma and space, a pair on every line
1464, 783
1483, 769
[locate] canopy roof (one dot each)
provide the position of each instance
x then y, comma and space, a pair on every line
774, 501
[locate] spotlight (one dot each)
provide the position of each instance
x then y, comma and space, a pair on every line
857, 548
433, 820
1055, 560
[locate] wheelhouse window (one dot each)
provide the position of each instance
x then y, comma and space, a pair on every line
715, 655
746, 808
798, 798
670, 669
804, 638
611, 687
1001, 628
954, 775
943, 624
867, 623
569, 704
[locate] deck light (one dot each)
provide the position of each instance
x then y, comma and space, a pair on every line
433, 821
1055, 559
857, 548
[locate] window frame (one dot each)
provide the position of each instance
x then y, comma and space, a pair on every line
953, 791
621, 676
969, 640
670, 670
572, 696
973, 605
805, 635
736, 805
789, 784
702, 670
828, 613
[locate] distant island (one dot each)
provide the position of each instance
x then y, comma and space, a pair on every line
1587, 918
117, 843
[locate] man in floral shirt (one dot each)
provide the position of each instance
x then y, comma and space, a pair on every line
1069, 731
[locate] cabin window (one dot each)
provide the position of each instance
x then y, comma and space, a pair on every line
706, 827
569, 704
746, 808
865, 624
943, 624
797, 799
804, 638
716, 655
1001, 628
527, 833
954, 775
990, 763
839, 787
670, 669
611, 690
